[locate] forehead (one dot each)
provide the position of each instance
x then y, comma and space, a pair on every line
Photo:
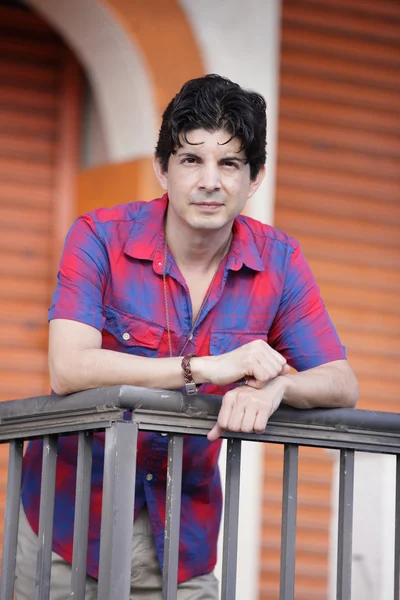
200, 141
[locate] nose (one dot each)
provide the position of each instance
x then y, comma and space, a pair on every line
209, 180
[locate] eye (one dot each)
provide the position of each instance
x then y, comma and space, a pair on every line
189, 160
231, 164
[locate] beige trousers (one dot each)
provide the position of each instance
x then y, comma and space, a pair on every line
146, 580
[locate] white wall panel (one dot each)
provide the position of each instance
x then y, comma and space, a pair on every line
241, 40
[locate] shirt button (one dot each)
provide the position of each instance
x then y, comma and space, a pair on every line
149, 477
164, 434
191, 336
126, 336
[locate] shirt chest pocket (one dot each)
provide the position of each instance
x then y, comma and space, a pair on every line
225, 341
132, 334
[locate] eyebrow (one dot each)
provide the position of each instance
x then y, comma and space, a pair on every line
242, 160
227, 158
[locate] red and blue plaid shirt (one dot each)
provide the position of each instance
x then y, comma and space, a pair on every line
111, 278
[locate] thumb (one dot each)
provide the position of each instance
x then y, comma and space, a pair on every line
254, 383
285, 370
215, 433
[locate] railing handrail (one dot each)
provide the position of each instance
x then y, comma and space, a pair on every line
127, 397
156, 408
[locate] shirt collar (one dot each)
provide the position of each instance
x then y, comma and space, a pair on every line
146, 240
244, 249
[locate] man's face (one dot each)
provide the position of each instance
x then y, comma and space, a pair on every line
208, 181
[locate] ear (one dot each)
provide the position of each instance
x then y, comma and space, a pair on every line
256, 182
161, 175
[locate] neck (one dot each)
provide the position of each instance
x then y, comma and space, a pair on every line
198, 249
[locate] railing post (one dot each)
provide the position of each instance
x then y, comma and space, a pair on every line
289, 513
345, 526
172, 517
231, 519
117, 511
46, 516
81, 520
11, 520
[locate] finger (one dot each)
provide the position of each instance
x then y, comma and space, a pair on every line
276, 364
267, 376
255, 383
265, 369
226, 409
241, 400
215, 433
258, 369
281, 359
236, 418
271, 360
249, 419
260, 422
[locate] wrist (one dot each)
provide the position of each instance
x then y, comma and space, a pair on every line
199, 365
287, 384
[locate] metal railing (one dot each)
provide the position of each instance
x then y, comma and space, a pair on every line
160, 410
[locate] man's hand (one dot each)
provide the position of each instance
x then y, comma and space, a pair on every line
331, 385
247, 409
256, 361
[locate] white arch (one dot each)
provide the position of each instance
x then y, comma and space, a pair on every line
117, 72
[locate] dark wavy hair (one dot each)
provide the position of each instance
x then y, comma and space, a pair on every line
214, 102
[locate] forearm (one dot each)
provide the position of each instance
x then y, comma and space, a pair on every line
93, 368
331, 385
77, 362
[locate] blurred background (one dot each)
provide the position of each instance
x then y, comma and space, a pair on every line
83, 84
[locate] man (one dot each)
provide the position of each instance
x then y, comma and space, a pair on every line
183, 291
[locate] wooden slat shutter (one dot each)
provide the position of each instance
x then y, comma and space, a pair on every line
338, 193
35, 82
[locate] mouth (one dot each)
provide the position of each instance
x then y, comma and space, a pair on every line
208, 206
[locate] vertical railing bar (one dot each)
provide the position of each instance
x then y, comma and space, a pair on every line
345, 525
11, 519
117, 511
397, 534
289, 515
231, 519
46, 516
81, 521
172, 517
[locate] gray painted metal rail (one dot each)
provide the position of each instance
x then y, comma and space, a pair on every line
174, 412
118, 501
345, 531
46, 514
11, 520
81, 522
231, 519
289, 514
172, 519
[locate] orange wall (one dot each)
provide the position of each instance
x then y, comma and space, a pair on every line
118, 183
169, 48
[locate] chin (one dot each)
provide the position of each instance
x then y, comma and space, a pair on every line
207, 224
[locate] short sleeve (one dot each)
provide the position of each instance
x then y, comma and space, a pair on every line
302, 330
82, 277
